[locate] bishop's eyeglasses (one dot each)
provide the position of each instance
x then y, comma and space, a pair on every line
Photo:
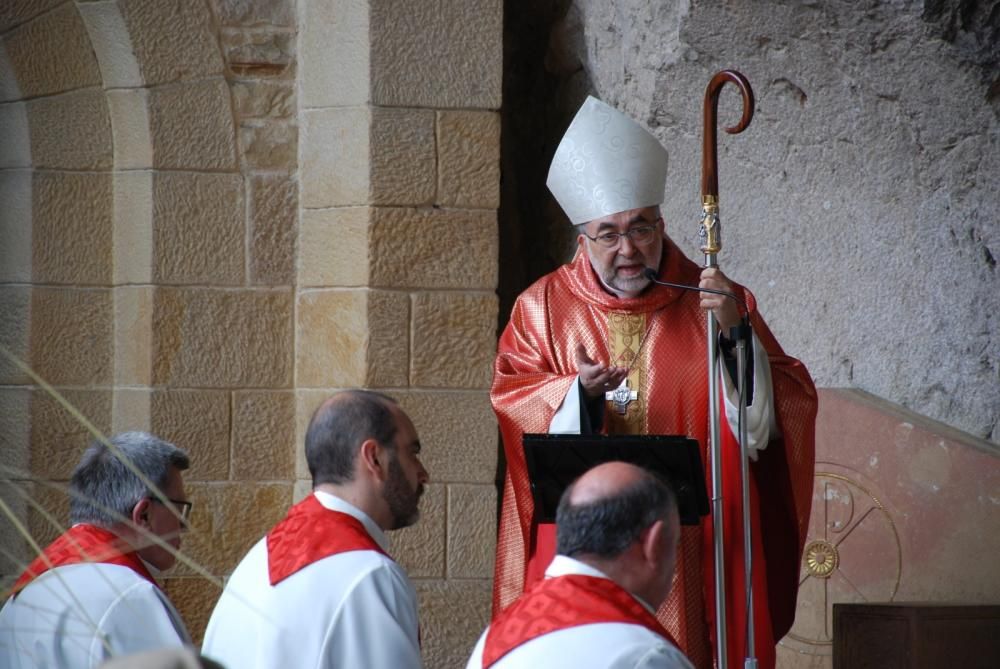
640, 234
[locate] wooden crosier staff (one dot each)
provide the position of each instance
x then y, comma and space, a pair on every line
711, 243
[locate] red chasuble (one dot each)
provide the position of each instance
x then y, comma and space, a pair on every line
311, 532
84, 543
661, 337
560, 603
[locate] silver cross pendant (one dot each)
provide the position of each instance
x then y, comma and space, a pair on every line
622, 396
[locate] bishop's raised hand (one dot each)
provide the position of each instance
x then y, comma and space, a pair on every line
595, 377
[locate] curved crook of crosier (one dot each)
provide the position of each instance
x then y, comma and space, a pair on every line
709, 154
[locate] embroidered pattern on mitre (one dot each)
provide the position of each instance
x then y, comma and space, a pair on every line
606, 163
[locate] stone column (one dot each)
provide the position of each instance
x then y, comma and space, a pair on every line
219, 78
397, 263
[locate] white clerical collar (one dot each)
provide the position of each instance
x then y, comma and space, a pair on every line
563, 566
334, 503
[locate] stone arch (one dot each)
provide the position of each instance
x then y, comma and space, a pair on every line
55, 285
93, 98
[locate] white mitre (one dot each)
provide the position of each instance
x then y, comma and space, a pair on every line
606, 163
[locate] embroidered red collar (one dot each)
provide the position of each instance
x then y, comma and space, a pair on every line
311, 532
555, 604
84, 543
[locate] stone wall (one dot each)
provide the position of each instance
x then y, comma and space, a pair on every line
858, 205
215, 213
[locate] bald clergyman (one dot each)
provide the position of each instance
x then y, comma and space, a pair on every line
617, 532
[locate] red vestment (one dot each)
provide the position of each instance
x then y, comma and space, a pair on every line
559, 603
84, 543
535, 368
310, 532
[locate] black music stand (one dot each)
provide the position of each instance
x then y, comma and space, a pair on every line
556, 460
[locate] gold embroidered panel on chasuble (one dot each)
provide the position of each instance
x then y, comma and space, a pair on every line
626, 336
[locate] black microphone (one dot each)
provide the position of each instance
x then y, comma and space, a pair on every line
739, 332
650, 274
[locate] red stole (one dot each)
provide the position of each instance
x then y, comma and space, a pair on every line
560, 603
84, 543
311, 532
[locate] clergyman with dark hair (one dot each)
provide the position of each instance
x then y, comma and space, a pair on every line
320, 590
617, 530
92, 594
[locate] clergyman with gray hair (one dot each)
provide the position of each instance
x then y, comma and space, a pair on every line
92, 594
617, 529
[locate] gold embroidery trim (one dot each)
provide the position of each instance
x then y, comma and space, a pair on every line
626, 334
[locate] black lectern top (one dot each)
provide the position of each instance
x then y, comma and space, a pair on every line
556, 460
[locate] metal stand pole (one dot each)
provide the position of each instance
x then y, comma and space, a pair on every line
709, 234
715, 449
741, 357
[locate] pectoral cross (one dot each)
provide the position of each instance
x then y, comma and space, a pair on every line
622, 396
